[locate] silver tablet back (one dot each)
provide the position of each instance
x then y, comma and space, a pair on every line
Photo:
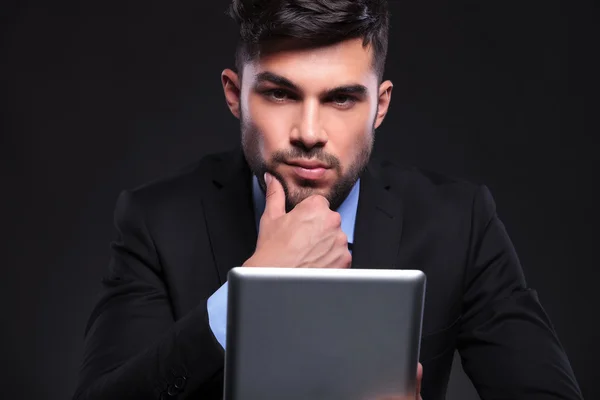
322, 334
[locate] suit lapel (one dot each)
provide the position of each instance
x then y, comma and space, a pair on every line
378, 228
229, 213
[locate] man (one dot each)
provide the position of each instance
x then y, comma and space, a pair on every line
304, 192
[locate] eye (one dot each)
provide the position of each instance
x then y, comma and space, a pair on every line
277, 95
343, 100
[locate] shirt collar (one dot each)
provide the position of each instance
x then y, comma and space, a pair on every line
347, 209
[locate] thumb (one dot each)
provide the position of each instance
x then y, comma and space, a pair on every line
275, 197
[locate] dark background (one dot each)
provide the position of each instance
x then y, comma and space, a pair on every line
102, 96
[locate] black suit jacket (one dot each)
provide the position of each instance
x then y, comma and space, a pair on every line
149, 336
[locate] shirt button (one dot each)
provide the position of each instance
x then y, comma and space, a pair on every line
179, 382
172, 390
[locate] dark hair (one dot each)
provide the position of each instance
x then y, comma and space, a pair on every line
316, 22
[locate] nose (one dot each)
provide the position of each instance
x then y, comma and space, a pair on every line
308, 132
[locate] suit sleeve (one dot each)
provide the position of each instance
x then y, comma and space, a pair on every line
134, 348
507, 344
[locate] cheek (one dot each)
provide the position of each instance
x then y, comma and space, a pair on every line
350, 133
271, 124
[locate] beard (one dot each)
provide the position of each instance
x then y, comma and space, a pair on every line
336, 194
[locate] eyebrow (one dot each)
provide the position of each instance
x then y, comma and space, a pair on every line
356, 89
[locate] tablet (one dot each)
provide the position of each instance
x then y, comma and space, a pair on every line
322, 334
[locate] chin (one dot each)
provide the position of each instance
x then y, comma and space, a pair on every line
306, 188
296, 194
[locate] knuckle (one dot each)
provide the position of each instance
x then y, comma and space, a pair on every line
318, 201
334, 219
324, 201
308, 203
270, 193
347, 260
342, 239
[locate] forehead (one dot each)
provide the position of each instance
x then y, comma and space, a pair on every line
347, 62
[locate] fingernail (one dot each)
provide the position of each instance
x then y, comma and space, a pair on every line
267, 178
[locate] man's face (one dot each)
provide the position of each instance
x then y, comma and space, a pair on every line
308, 116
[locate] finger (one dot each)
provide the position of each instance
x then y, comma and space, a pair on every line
418, 387
275, 197
315, 201
419, 378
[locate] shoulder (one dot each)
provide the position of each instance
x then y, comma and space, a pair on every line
430, 191
422, 182
178, 188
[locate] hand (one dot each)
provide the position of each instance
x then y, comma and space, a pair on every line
416, 396
309, 236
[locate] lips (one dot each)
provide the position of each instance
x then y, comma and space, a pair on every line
308, 169
308, 164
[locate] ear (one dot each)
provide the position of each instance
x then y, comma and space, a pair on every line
231, 87
385, 97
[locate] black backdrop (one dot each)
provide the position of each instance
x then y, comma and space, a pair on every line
102, 96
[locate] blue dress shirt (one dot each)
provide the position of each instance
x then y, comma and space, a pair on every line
217, 303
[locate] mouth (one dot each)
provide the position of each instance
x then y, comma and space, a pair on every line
308, 169
308, 164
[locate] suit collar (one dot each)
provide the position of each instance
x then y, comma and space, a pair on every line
229, 212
